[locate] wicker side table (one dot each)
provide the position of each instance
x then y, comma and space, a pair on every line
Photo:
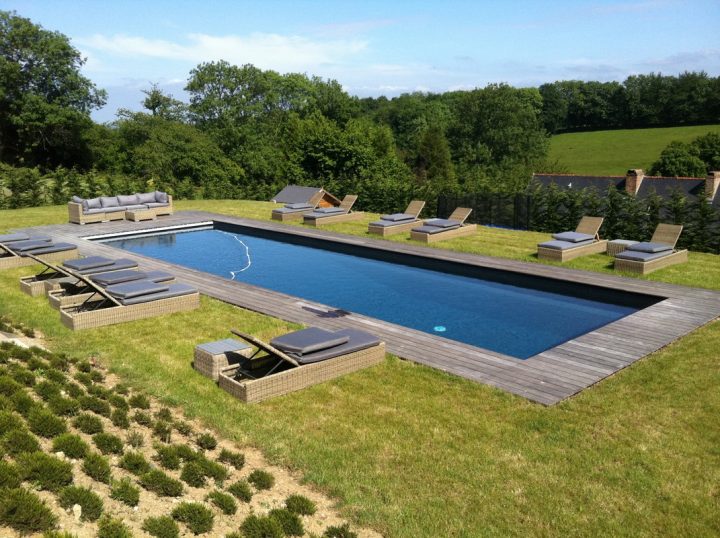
616, 246
212, 357
136, 215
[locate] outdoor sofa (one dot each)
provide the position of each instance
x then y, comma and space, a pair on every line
398, 222
331, 215
298, 360
106, 208
659, 252
296, 211
434, 230
15, 247
569, 245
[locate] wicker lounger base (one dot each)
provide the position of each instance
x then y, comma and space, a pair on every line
468, 229
289, 217
59, 298
121, 314
333, 219
643, 268
257, 390
34, 287
385, 231
12, 262
557, 255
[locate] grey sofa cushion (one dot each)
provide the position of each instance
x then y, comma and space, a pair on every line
395, 217
128, 290
87, 263
135, 207
145, 197
307, 341
564, 245
174, 290
128, 199
114, 209
93, 211
109, 201
92, 203
161, 197
9, 238
650, 247
357, 341
157, 204
77, 200
573, 237
442, 223
434, 229
299, 205
642, 256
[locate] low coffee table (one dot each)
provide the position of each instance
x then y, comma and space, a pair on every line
137, 215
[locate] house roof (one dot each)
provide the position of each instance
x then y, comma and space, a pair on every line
295, 194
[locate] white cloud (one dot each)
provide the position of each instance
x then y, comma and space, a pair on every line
267, 51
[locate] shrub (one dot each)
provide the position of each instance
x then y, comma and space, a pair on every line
241, 490
9, 421
161, 527
65, 407
97, 376
183, 427
186, 453
74, 390
9, 475
6, 404
23, 403
97, 467
118, 402
206, 441
84, 378
119, 418
236, 459
71, 445
9, 386
193, 475
34, 363
55, 376
91, 504
95, 404
261, 479
342, 531
139, 401
22, 376
167, 457
301, 505
261, 527
163, 431
108, 443
161, 484
25, 512
143, 418
164, 414
99, 392
213, 469
47, 472
88, 424
121, 388
135, 463
135, 439
59, 362
44, 423
125, 492
18, 441
113, 528
223, 501
47, 389
198, 518
290, 522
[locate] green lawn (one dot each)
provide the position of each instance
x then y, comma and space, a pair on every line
615, 152
413, 452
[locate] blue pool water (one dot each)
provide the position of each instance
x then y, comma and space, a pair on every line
503, 317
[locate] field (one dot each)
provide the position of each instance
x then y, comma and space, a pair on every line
412, 452
614, 152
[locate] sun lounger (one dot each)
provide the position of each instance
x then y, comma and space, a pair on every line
398, 222
298, 360
434, 230
16, 247
128, 302
569, 245
296, 211
331, 215
659, 252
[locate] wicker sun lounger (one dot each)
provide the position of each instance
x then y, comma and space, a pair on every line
331, 215
297, 211
14, 252
281, 367
129, 302
398, 222
659, 252
569, 245
434, 230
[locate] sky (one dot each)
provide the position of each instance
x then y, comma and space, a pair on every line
385, 47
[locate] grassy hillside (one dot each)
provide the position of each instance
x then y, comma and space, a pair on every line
614, 152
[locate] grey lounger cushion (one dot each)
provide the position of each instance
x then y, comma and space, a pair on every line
328, 211
642, 256
53, 247
9, 238
174, 290
573, 237
387, 223
87, 263
442, 223
307, 341
30, 244
128, 275
395, 217
128, 290
299, 205
358, 340
434, 229
564, 245
650, 247
116, 265
283, 210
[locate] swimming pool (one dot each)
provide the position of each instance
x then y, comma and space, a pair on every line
513, 314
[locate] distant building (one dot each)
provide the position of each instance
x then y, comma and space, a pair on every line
294, 194
635, 182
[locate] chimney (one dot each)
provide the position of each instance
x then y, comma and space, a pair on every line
712, 182
633, 180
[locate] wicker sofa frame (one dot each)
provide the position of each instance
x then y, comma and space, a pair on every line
414, 208
587, 225
664, 233
460, 214
76, 215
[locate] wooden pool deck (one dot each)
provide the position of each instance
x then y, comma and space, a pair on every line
547, 378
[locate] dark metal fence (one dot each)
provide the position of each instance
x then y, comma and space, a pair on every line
491, 209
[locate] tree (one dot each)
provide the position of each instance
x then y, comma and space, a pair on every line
164, 105
45, 102
434, 163
679, 159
